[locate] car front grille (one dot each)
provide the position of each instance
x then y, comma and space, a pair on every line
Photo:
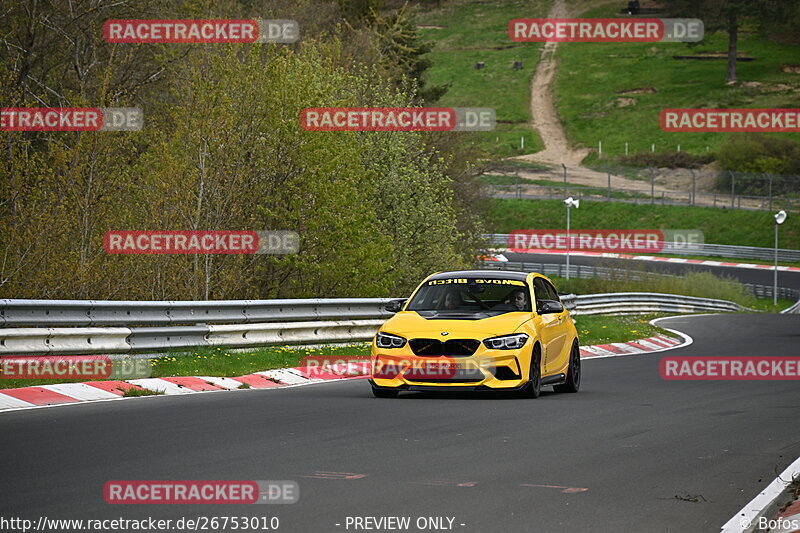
460, 376
452, 347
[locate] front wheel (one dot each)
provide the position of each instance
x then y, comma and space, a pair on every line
533, 388
573, 383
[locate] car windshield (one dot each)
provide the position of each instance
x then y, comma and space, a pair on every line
468, 297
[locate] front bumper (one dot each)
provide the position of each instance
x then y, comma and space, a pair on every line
487, 369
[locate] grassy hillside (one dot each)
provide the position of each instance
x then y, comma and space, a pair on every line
593, 78
468, 31
720, 226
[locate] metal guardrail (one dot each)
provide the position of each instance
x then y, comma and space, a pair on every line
44, 341
628, 303
706, 250
793, 309
592, 271
133, 313
89, 340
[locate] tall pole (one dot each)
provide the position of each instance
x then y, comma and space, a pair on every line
775, 284
569, 207
566, 189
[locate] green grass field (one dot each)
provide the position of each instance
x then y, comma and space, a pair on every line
592, 77
468, 31
605, 329
720, 226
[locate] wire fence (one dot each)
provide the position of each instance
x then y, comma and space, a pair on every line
701, 187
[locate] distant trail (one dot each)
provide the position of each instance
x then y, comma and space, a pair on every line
546, 121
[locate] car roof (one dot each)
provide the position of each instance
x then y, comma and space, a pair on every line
490, 274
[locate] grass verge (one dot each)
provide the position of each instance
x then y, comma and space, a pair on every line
606, 329
467, 32
720, 226
699, 284
132, 393
225, 363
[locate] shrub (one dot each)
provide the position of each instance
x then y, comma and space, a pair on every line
665, 160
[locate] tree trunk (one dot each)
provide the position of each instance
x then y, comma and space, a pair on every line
733, 34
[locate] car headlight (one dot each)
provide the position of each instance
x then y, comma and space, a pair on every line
506, 342
386, 340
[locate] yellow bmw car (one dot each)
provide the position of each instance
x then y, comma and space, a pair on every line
477, 330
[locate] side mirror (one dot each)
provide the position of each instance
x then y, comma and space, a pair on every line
547, 307
395, 306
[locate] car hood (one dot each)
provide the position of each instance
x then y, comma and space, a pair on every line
411, 324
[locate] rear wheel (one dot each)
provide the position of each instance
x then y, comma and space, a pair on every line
384, 393
533, 388
573, 383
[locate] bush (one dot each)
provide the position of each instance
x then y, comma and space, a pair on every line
665, 160
759, 154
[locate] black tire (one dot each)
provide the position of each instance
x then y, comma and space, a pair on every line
573, 383
533, 387
384, 393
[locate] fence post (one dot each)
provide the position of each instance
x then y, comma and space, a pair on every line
609, 186
733, 187
770, 191
566, 185
694, 184
652, 186
516, 182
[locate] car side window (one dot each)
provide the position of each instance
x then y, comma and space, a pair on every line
551, 291
540, 291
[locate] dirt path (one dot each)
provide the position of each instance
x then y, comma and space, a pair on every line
545, 120
557, 149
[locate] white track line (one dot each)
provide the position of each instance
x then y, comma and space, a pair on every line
746, 517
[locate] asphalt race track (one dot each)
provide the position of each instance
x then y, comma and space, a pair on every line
630, 452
